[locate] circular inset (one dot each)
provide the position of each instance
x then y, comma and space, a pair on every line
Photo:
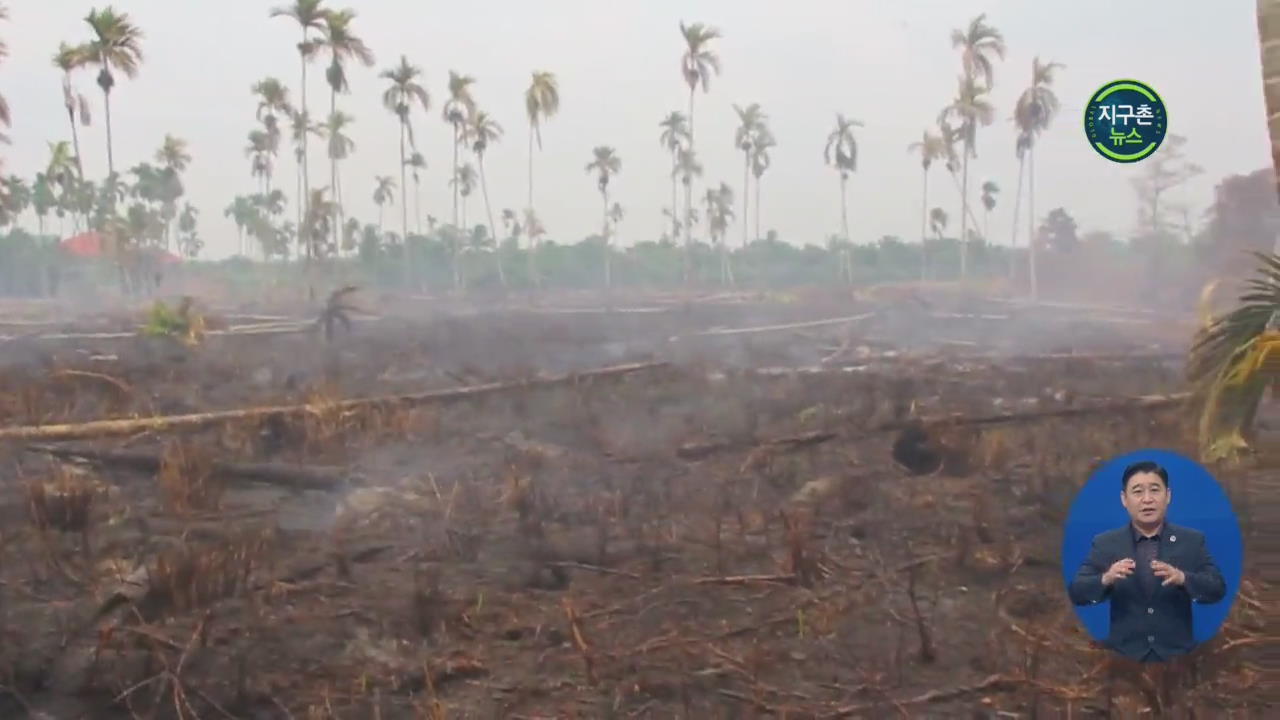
1151, 555
1125, 121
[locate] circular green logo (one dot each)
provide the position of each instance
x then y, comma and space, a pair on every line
1125, 121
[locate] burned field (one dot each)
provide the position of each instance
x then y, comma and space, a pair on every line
850, 519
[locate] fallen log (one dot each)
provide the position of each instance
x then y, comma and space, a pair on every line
774, 328
198, 421
299, 477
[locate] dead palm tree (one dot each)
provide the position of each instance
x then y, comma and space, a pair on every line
116, 43
337, 310
970, 109
930, 148
674, 138
1035, 110
483, 131
751, 120
760, 163
68, 59
457, 110
309, 15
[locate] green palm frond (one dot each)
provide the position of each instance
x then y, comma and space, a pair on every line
1234, 360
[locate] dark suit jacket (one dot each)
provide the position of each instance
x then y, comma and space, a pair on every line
1161, 622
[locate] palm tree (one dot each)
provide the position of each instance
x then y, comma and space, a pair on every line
697, 65
464, 183
273, 101
4, 52
1035, 110
604, 164
301, 128
482, 131
62, 172
68, 59
309, 15
315, 229
760, 162
979, 44
687, 168
417, 163
989, 191
937, 222
674, 138
241, 211
342, 45
117, 43
841, 153
719, 202
401, 95
173, 158
457, 110
751, 120
340, 147
383, 193
930, 148
971, 108
259, 153
541, 102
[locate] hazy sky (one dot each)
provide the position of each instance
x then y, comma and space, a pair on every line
888, 63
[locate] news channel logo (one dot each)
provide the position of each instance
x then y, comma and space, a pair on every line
1125, 121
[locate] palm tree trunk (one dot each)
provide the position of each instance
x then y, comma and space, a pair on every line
688, 203
457, 139
333, 180
964, 217
924, 219
417, 204
608, 269
493, 231
675, 200
533, 240
300, 200
757, 207
746, 193
305, 163
844, 206
1031, 220
111, 158
1017, 206
404, 211
75, 139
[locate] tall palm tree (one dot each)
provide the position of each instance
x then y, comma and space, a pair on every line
343, 45
464, 183
930, 148
719, 202
1035, 109
402, 94
980, 45
340, 147
416, 162
1020, 147
751, 120
457, 110
841, 153
61, 173
309, 15
760, 163
301, 128
68, 59
116, 43
260, 158
937, 222
697, 65
687, 168
989, 191
174, 158
674, 138
482, 131
604, 164
383, 193
541, 102
5, 118
970, 109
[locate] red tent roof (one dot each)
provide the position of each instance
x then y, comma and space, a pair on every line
89, 245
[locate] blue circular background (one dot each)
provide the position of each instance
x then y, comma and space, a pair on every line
1099, 131
1198, 502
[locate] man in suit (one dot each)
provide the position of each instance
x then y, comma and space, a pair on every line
1151, 570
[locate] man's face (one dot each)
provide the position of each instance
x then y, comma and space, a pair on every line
1146, 498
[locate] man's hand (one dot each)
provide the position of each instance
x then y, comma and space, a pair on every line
1119, 569
1171, 574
